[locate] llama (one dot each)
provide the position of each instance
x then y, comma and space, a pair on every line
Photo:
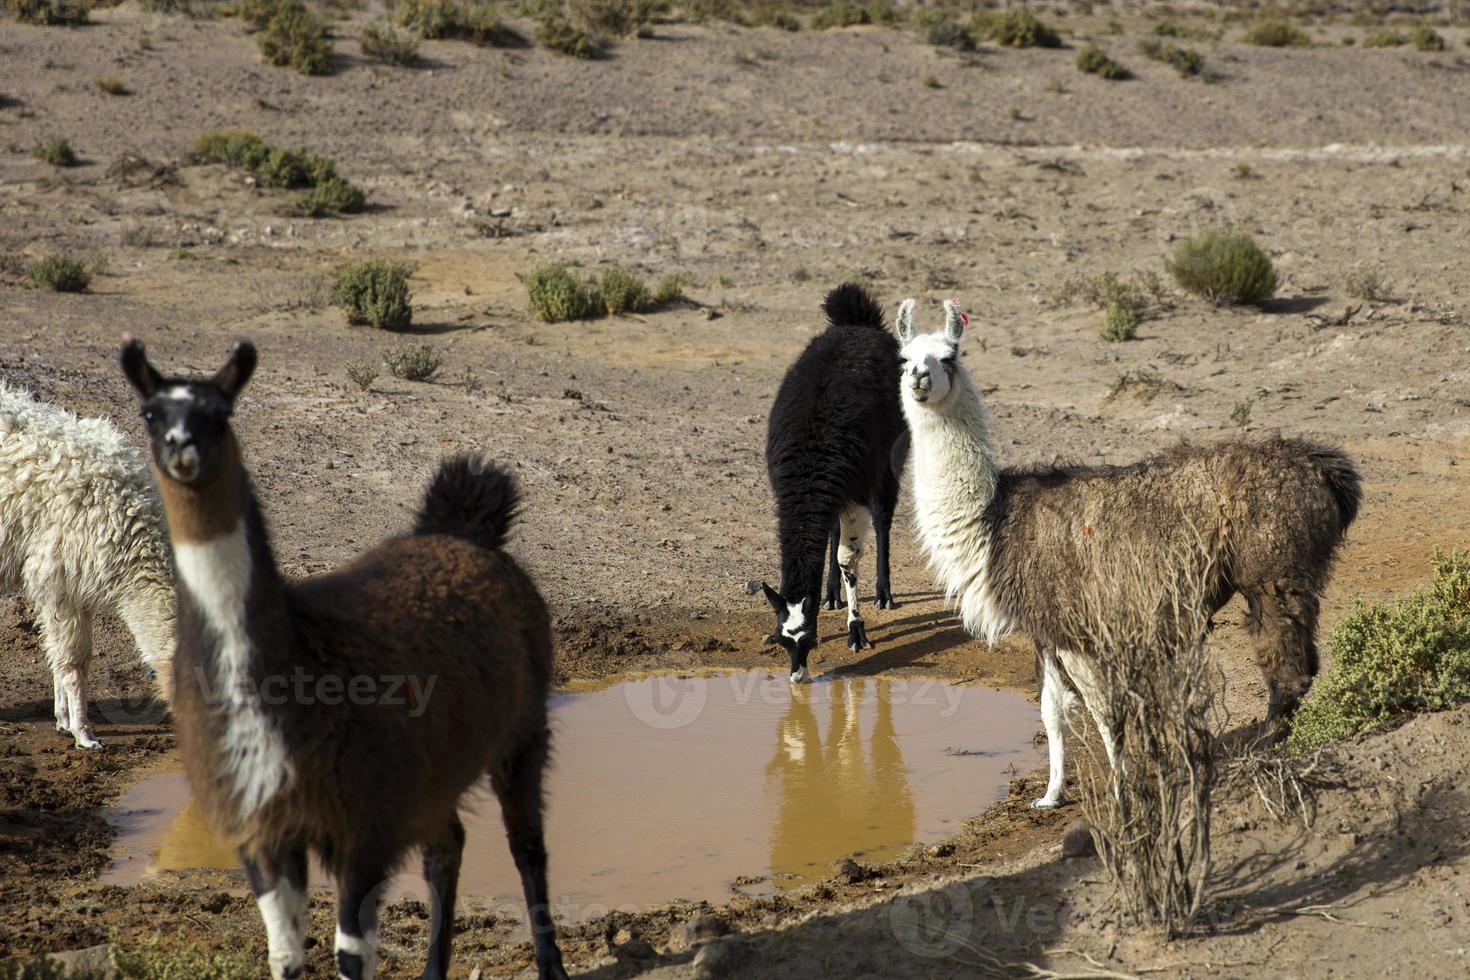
835, 456
81, 531
348, 713
1013, 547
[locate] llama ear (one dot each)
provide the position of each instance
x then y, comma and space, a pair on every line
904, 325
955, 321
137, 369
774, 598
237, 370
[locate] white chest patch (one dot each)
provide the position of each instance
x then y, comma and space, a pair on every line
252, 753
794, 625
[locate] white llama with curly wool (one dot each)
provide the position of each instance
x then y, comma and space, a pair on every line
81, 531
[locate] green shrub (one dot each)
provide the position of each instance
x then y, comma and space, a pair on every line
256, 14
555, 294
1273, 32
1014, 28
1120, 323
58, 153
112, 86
362, 374
556, 33
43, 967
296, 38
154, 961
50, 13
472, 20
770, 15
1392, 659
615, 18
845, 13
1385, 39
382, 42
60, 274
332, 196
935, 26
418, 363
623, 292
1093, 61
376, 294
1182, 60
1425, 38
1223, 267
669, 289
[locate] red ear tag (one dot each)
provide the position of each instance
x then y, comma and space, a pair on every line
964, 317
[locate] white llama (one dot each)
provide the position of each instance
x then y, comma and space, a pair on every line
81, 530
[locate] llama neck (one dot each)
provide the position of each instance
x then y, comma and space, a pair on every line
955, 480
229, 594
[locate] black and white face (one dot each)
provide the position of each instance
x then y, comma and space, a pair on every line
796, 629
188, 421
929, 360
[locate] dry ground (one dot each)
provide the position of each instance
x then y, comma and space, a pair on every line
769, 167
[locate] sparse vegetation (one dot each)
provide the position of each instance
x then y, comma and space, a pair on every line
844, 13
1385, 39
1273, 32
1109, 289
52, 13
556, 33
1223, 267
1017, 27
1093, 61
936, 26
60, 274
1393, 659
1182, 60
1120, 323
362, 374
332, 196
614, 18
556, 295
1240, 415
669, 289
1367, 283
112, 86
295, 37
274, 166
57, 152
155, 961
382, 42
623, 292
930, 81
376, 294
417, 363
477, 21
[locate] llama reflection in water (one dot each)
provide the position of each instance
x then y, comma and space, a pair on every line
842, 793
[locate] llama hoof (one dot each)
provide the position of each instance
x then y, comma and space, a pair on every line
797, 676
830, 602
857, 636
85, 739
1045, 804
552, 971
887, 602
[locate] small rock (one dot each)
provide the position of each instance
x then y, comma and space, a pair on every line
718, 958
752, 586
1077, 840
940, 850
1349, 839
850, 872
701, 927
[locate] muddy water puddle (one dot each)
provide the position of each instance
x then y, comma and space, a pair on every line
678, 787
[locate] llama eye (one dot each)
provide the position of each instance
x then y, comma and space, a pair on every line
147, 415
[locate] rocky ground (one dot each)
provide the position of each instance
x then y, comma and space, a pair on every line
767, 167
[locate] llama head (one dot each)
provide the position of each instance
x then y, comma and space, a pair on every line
796, 628
930, 360
188, 420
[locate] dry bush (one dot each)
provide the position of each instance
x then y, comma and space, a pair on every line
615, 18
1158, 692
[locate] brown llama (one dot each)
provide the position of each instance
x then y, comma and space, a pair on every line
348, 713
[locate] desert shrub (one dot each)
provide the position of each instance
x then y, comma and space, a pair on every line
1182, 60
623, 292
1120, 323
936, 26
53, 13
473, 20
1392, 659
844, 13
58, 153
615, 18
669, 289
1367, 284
382, 42
418, 363
112, 86
1093, 61
555, 33
1385, 39
1014, 28
555, 294
155, 961
332, 196
1109, 289
362, 374
1273, 32
376, 294
1157, 694
1223, 267
255, 14
295, 37
1426, 38
43, 967
60, 274
771, 15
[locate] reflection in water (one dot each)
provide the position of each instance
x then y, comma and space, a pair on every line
670, 787
843, 793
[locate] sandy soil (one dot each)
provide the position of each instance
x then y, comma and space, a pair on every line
769, 167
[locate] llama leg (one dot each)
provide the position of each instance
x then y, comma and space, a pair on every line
1283, 621
441, 871
1089, 684
67, 637
518, 785
834, 574
279, 884
882, 524
855, 523
359, 889
1054, 696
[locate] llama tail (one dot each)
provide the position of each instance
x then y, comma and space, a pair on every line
1342, 479
470, 499
853, 306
